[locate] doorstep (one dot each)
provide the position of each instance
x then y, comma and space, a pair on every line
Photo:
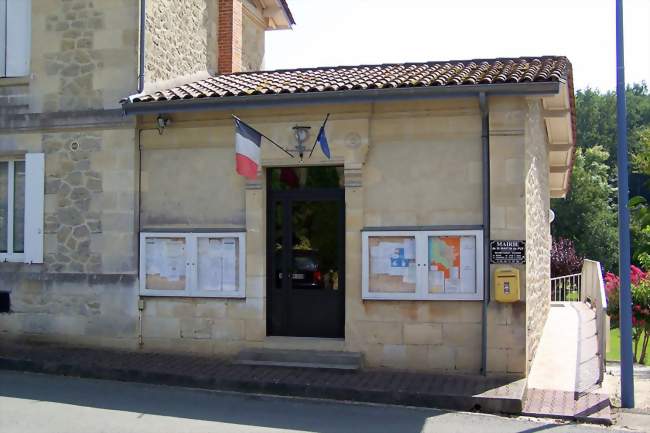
456, 392
304, 343
319, 359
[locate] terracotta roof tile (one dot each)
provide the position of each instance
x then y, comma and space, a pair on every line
364, 77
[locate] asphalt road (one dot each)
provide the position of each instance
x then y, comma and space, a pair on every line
43, 403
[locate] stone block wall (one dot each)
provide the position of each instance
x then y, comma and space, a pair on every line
253, 34
90, 201
85, 309
180, 38
86, 290
83, 54
416, 335
405, 165
211, 326
192, 198
422, 169
506, 352
14, 97
538, 232
406, 168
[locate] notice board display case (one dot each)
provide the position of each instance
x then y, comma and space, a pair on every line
422, 265
209, 265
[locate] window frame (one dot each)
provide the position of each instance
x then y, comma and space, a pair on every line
10, 255
15, 51
191, 269
421, 258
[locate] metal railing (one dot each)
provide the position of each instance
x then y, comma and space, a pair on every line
566, 288
594, 294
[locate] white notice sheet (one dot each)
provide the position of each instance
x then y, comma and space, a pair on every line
175, 259
210, 264
468, 264
229, 260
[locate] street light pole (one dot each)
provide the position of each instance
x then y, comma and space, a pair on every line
625, 296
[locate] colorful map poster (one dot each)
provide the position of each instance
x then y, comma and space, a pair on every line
452, 262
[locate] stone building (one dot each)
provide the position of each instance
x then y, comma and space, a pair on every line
151, 241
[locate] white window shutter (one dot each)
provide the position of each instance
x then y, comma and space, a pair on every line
19, 37
3, 36
34, 206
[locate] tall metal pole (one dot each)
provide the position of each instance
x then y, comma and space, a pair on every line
625, 296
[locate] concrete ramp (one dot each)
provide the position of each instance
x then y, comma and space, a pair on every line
563, 380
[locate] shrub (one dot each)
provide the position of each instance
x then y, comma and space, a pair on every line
640, 282
564, 259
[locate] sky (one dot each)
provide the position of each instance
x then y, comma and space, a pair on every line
353, 32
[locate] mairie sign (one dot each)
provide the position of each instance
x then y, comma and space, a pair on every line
508, 252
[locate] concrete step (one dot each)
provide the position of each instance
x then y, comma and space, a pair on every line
320, 359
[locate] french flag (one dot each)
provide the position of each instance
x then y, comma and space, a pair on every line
247, 149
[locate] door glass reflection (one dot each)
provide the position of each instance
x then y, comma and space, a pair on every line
315, 252
291, 178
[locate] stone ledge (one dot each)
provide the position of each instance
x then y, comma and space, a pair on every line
14, 81
111, 118
69, 277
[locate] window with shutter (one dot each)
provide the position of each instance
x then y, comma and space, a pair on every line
3, 37
22, 189
15, 37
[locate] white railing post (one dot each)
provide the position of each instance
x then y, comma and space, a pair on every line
567, 285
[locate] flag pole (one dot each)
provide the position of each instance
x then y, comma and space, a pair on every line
321, 128
625, 295
276, 144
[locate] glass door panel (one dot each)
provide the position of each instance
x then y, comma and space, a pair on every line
315, 257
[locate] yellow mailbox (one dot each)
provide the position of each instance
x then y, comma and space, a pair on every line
506, 284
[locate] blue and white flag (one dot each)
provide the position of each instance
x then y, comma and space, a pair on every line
322, 140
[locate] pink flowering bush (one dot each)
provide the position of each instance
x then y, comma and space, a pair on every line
640, 281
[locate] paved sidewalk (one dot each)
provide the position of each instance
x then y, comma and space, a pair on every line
637, 419
563, 380
52, 404
497, 395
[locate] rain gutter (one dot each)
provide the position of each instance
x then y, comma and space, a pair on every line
229, 103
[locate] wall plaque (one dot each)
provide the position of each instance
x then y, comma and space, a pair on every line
508, 252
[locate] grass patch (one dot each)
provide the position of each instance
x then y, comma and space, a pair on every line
614, 353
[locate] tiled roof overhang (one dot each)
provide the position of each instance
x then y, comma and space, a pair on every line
457, 76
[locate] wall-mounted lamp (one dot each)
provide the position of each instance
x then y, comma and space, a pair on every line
162, 122
302, 134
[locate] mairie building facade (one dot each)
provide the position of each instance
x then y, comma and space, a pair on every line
124, 223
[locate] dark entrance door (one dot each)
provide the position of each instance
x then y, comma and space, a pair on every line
305, 252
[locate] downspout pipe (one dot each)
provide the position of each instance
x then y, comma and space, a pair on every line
485, 143
143, 16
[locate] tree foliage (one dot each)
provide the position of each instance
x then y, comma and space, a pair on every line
588, 216
640, 221
596, 118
